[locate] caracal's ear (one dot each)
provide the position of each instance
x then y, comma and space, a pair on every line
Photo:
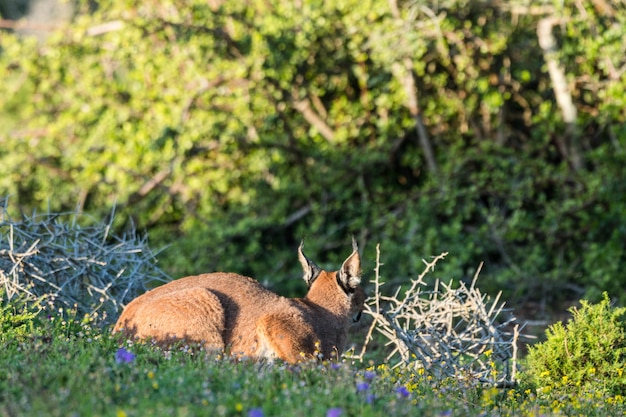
350, 273
311, 271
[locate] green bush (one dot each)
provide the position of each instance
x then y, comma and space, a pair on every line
17, 318
231, 130
588, 352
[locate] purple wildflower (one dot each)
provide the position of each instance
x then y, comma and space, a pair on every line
369, 375
255, 412
334, 412
124, 356
362, 386
335, 366
370, 398
402, 392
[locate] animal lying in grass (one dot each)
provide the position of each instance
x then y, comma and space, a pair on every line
233, 313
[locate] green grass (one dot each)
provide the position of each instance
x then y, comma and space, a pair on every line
69, 367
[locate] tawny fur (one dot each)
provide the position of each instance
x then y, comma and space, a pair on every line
225, 311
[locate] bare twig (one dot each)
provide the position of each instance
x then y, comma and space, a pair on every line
22, 24
314, 119
448, 330
561, 90
106, 27
404, 72
88, 268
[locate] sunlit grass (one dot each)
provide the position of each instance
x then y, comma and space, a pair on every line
70, 367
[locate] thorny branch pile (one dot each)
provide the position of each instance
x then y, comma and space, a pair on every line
88, 268
447, 331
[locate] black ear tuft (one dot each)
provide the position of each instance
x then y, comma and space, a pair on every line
311, 271
355, 247
350, 272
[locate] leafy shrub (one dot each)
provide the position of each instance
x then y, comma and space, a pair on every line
588, 352
17, 317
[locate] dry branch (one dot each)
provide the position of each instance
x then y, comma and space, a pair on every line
406, 77
561, 90
314, 119
445, 329
88, 268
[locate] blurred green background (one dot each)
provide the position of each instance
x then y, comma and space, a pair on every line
229, 131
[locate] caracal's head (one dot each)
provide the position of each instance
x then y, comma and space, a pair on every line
340, 290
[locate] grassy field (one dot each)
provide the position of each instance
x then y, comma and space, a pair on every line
53, 364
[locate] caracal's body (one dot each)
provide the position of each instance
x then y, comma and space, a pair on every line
225, 311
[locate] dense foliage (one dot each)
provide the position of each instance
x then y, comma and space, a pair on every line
230, 130
17, 318
590, 348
